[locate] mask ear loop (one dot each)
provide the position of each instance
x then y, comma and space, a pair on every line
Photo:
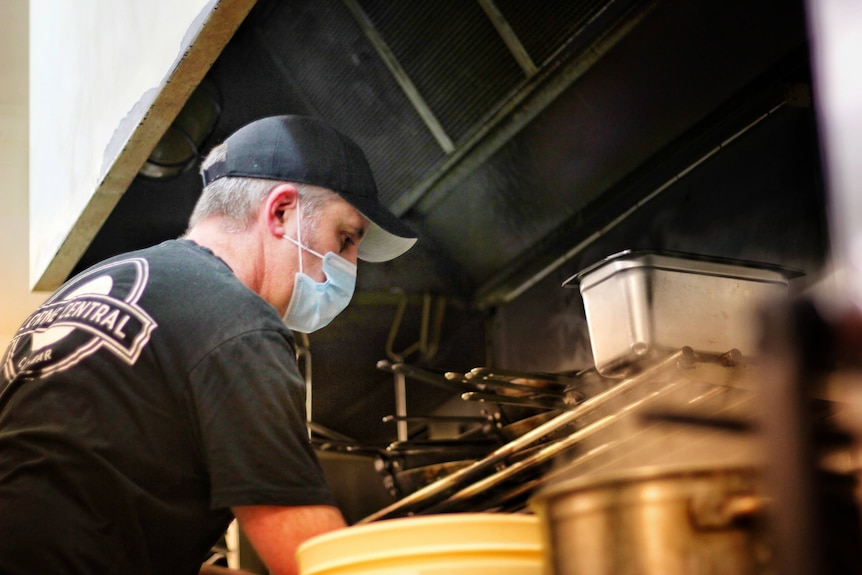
299, 230
298, 241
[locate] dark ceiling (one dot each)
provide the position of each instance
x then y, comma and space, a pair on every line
506, 131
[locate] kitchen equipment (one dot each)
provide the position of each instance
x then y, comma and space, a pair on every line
486, 377
403, 466
640, 305
423, 374
539, 377
518, 428
536, 401
489, 425
410, 465
522, 468
401, 483
440, 450
440, 490
475, 543
651, 521
406, 454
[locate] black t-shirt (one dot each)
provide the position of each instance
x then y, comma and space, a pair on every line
146, 397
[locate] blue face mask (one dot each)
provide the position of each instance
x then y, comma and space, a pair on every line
313, 305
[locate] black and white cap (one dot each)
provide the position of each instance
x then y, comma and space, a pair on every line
307, 150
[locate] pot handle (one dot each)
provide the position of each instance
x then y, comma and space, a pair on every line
715, 512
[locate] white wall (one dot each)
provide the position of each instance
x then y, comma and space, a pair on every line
91, 61
72, 72
16, 300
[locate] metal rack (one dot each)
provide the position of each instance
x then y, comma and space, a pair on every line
505, 478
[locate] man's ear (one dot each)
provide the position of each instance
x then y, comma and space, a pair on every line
279, 209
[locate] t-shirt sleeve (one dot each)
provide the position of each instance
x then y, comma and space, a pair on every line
249, 401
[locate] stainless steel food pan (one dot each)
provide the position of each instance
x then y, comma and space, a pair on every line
640, 305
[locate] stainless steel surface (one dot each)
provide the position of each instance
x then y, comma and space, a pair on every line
523, 385
606, 438
439, 490
642, 304
518, 428
535, 401
603, 447
662, 473
551, 450
400, 406
407, 481
655, 522
436, 418
424, 375
542, 391
497, 374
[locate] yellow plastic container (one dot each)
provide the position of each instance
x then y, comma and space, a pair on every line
475, 543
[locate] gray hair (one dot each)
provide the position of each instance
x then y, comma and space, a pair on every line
237, 199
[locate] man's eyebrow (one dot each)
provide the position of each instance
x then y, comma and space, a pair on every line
358, 231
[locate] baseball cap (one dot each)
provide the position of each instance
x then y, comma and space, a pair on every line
307, 150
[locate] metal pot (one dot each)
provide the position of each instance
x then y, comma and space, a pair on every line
649, 521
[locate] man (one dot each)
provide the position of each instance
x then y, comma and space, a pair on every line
156, 396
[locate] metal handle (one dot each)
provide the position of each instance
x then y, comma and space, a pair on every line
723, 511
447, 485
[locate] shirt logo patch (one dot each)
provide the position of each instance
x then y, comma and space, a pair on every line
97, 309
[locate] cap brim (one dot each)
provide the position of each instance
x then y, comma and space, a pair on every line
387, 237
378, 245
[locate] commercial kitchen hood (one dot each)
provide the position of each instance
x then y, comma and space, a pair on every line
496, 127
511, 134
